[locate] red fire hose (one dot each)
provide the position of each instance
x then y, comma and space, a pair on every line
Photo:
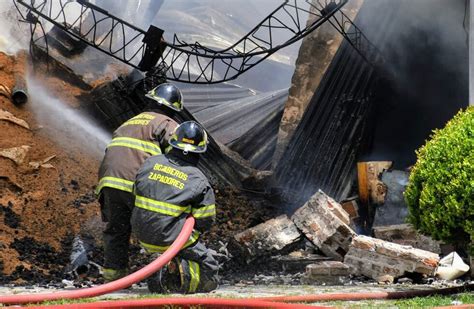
185, 302
119, 284
369, 295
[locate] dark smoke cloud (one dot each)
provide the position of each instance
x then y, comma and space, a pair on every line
426, 63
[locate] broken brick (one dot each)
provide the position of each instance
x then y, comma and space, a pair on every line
320, 220
376, 258
329, 272
352, 208
272, 235
406, 234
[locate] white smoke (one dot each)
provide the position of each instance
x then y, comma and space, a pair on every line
14, 35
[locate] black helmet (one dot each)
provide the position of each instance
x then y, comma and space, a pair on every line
168, 95
189, 137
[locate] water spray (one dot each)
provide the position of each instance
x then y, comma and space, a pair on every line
65, 123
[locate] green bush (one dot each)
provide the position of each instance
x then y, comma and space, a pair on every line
440, 193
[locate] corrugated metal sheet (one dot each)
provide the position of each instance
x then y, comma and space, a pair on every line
259, 143
323, 151
229, 120
239, 118
199, 97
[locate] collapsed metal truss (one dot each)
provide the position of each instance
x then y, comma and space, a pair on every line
186, 62
355, 37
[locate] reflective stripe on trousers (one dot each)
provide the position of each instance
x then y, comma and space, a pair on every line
115, 183
161, 207
195, 273
160, 249
135, 143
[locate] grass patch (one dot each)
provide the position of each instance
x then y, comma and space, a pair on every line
417, 302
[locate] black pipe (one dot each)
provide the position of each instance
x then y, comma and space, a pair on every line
19, 92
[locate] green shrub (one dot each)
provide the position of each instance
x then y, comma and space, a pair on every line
440, 193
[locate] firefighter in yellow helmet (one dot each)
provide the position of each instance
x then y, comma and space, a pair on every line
168, 189
132, 143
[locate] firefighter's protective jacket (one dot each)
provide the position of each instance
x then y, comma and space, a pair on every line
132, 143
167, 190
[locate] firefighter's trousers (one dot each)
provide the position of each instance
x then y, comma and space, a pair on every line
116, 207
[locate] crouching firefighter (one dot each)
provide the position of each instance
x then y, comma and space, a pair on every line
132, 143
168, 189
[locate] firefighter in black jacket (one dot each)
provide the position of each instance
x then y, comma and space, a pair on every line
132, 143
169, 188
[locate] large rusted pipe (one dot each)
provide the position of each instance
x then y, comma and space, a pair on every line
19, 92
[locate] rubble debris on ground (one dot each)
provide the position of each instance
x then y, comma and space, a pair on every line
324, 222
16, 154
296, 261
406, 234
5, 91
377, 258
7, 116
327, 272
320, 221
42, 163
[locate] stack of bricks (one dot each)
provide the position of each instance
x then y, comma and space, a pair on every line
376, 258
325, 224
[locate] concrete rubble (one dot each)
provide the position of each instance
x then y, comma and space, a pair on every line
375, 258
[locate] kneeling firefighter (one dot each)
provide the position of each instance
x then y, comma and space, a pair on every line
168, 188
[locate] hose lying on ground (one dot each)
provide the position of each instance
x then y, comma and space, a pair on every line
368, 295
185, 302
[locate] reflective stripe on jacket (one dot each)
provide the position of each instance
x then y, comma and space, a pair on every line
167, 190
132, 143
